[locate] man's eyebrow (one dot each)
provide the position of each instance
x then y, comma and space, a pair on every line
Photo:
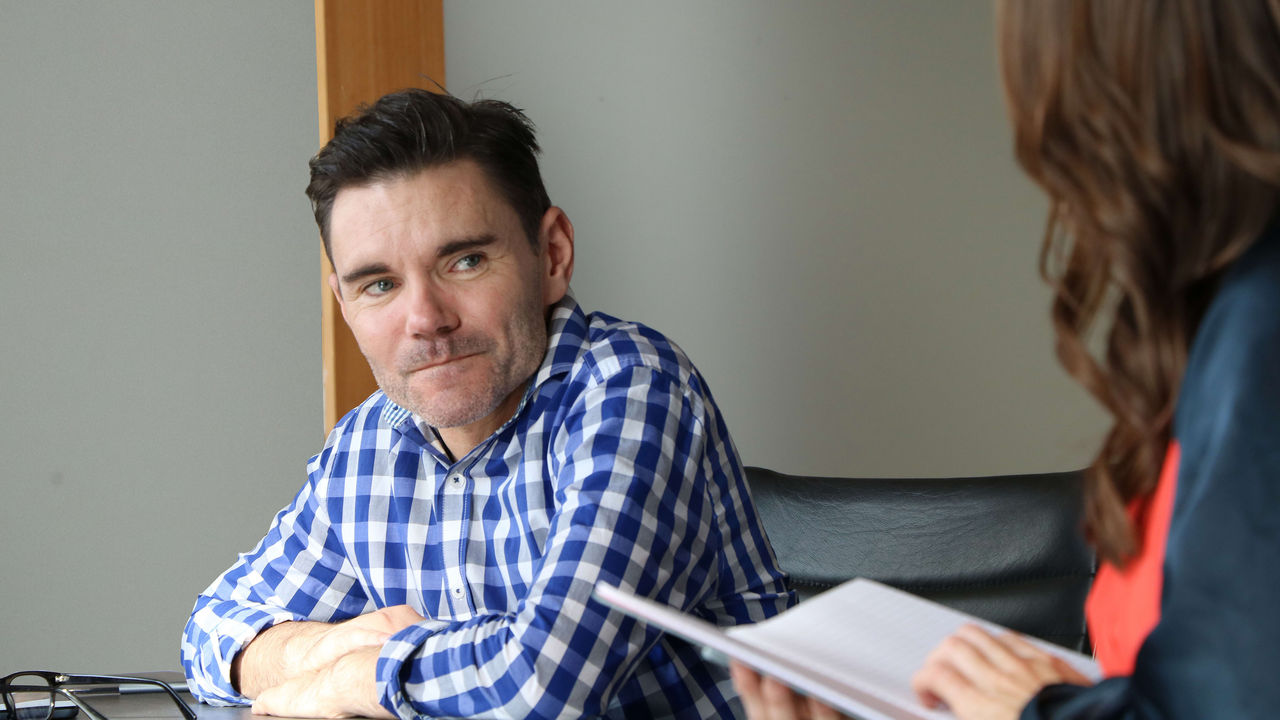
364, 271
471, 243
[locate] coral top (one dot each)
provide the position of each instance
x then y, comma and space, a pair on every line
1124, 604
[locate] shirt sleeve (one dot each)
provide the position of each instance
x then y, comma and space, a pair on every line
1214, 651
633, 510
297, 572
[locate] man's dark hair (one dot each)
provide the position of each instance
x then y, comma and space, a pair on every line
408, 131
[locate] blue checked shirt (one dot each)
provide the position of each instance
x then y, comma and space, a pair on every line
617, 466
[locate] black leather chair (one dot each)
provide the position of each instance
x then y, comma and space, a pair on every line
1007, 549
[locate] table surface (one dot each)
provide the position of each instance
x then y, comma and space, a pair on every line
159, 705
115, 706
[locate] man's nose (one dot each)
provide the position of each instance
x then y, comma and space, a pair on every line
430, 311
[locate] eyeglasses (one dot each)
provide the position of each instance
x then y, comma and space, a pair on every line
50, 684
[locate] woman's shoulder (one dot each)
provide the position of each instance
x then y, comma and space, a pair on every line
1252, 285
1239, 339
1231, 387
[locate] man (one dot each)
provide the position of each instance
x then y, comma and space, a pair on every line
440, 559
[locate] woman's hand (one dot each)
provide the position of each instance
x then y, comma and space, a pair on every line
979, 675
767, 699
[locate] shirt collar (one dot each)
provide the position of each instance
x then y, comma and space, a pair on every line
566, 339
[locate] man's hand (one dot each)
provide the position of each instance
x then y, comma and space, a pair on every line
290, 650
309, 654
982, 676
347, 687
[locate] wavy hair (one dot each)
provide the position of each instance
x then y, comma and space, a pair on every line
1154, 127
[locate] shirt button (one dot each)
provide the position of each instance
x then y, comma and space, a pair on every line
457, 592
456, 479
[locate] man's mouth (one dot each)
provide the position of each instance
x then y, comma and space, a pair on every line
440, 363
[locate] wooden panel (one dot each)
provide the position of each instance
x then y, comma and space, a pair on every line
365, 49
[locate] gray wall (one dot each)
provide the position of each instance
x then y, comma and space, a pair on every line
818, 201
159, 293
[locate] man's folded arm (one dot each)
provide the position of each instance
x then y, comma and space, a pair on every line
285, 651
296, 573
632, 509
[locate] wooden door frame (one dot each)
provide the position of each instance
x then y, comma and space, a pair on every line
365, 49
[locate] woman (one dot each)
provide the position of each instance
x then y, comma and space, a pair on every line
1154, 127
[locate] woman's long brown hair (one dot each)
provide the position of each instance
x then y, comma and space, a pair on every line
1154, 127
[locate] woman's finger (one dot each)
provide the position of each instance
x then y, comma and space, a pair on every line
1001, 655
747, 683
780, 702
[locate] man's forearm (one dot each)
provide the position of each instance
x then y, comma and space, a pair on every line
283, 652
275, 656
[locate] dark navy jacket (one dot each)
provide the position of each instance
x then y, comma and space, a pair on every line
1215, 650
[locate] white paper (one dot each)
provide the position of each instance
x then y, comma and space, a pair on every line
854, 647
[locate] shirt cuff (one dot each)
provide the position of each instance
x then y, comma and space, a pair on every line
228, 633
396, 652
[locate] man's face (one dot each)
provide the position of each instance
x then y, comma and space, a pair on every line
444, 293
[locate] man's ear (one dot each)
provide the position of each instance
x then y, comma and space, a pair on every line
337, 293
556, 239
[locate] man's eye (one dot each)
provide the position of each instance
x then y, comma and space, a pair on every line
378, 287
469, 262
